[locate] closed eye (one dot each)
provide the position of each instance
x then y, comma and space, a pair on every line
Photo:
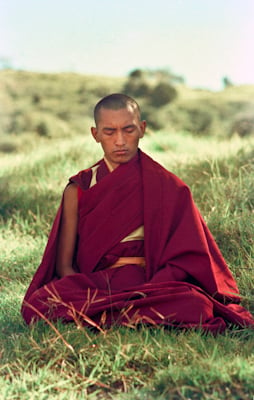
108, 131
129, 128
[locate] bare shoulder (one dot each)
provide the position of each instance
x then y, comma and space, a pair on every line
71, 189
71, 195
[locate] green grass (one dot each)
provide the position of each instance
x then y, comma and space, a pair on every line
69, 362
126, 364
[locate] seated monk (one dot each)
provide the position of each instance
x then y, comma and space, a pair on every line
128, 245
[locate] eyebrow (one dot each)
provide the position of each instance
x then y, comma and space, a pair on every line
129, 126
107, 128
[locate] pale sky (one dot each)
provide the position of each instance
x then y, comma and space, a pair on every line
202, 40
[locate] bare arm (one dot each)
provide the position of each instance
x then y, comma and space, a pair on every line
68, 232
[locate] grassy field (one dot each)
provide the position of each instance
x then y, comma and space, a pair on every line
70, 362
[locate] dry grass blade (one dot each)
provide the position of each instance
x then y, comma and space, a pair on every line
52, 326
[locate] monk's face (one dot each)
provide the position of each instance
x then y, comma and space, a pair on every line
118, 132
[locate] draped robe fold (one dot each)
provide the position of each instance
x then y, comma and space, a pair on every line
185, 283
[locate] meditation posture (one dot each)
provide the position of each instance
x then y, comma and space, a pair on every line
128, 245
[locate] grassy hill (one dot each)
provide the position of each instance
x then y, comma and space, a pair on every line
36, 105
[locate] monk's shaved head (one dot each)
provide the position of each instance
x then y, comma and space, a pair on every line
115, 101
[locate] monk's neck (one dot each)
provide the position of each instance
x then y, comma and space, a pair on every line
112, 167
108, 164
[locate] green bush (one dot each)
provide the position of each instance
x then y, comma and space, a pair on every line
200, 121
7, 146
36, 98
153, 119
135, 87
43, 129
163, 93
50, 126
191, 117
243, 125
136, 73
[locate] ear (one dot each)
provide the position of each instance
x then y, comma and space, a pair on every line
95, 134
143, 128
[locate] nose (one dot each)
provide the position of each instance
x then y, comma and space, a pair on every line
120, 139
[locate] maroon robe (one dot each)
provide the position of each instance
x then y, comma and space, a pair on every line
186, 281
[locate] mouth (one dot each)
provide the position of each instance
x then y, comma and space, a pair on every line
120, 152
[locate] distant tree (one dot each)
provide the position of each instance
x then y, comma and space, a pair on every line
158, 84
166, 75
226, 82
42, 129
136, 85
136, 73
163, 93
156, 75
